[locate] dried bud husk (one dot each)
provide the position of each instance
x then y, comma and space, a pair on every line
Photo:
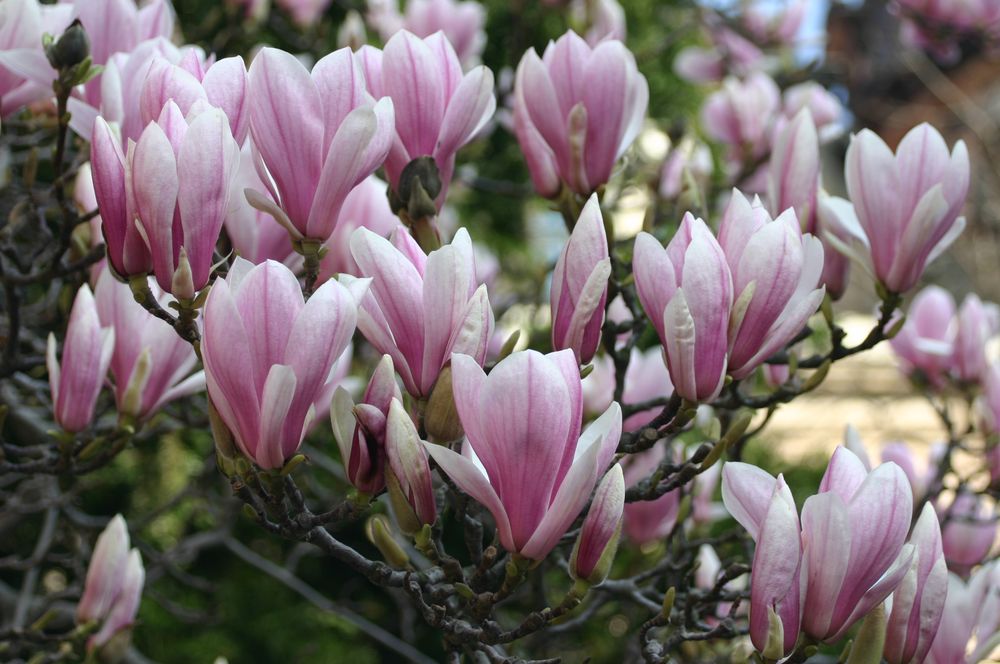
406, 517
441, 417
226, 454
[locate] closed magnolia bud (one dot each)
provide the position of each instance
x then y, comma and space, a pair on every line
419, 184
441, 417
72, 48
580, 286
379, 533
76, 380
598, 541
408, 475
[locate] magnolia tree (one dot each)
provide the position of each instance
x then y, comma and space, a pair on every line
467, 455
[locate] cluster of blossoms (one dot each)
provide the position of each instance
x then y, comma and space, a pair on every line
252, 236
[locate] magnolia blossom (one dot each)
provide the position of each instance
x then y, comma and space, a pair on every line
971, 616
76, 381
687, 292
438, 109
689, 161
598, 541
740, 114
507, 424
270, 357
926, 342
313, 151
304, 12
360, 429
845, 571
976, 323
906, 205
729, 52
775, 271
775, 26
113, 587
408, 473
918, 602
794, 182
580, 285
222, 84
254, 234
122, 83
968, 532
163, 204
421, 308
576, 110
151, 363
366, 206
462, 22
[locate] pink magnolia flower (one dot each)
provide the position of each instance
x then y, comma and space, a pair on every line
255, 235
598, 541
360, 429
689, 160
781, 26
438, 109
421, 308
848, 576
968, 531
366, 206
775, 271
917, 604
304, 12
113, 587
222, 84
926, 342
824, 107
121, 86
76, 381
462, 22
740, 114
845, 571
794, 182
646, 378
647, 521
580, 285
576, 110
971, 618
907, 204
269, 356
313, 151
687, 292
151, 364
728, 53
607, 21
764, 506
411, 485
127, 251
977, 322
180, 175
528, 407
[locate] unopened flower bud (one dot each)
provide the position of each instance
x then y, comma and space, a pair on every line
441, 417
72, 48
419, 185
598, 541
408, 475
378, 530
